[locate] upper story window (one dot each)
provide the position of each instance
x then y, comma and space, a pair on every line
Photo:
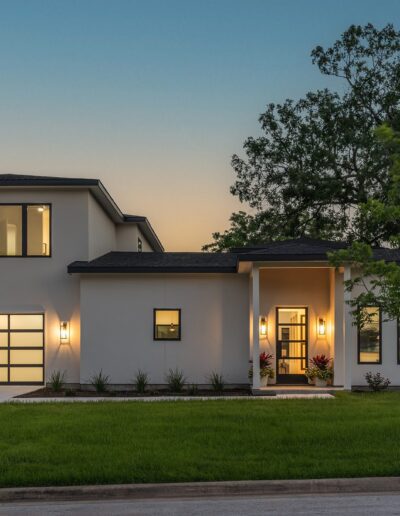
370, 337
139, 245
25, 230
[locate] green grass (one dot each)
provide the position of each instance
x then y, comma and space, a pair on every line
58, 444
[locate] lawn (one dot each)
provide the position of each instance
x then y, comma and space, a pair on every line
57, 444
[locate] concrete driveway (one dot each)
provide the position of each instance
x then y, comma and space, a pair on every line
328, 505
7, 392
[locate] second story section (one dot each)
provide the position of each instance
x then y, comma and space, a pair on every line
66, 219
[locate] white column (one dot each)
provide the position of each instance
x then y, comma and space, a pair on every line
347, 332
255, 279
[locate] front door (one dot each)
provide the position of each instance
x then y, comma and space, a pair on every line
291, 344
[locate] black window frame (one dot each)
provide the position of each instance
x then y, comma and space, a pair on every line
380, 338
175, 339
24, 229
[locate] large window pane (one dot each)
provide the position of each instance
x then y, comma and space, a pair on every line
167, 324
38, 221
10, 230
26, 322
369, 337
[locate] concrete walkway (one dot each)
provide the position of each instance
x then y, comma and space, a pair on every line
10, 399
7, 392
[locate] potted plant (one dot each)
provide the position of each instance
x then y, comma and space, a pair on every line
323, 369
266, 369
311, 374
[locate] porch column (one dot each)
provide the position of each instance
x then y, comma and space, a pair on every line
255, 333
347, 332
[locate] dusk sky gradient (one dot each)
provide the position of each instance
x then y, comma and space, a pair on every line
153, 97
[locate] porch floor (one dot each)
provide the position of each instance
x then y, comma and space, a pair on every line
295, 389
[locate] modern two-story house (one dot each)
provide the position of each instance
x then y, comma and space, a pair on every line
85, 287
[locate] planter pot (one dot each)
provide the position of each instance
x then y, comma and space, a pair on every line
311, 381
320, 383
264, 381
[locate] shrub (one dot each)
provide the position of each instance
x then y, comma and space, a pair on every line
100, 381
376, 382
57, 380
217, 381
320, 362
141, 381
175, 380
193, 389
266, 368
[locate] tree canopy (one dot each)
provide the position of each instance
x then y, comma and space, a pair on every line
319, 163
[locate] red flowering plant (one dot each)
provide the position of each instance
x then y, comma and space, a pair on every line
265, 366
322, 367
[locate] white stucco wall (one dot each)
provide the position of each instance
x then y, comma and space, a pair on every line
127, 238
389, 367
42, 284
117, 326
101, 230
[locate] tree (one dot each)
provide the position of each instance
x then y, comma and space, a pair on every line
319, 160
382, 288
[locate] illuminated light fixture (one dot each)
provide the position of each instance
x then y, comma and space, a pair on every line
263, 326
321, 327
172, 327
40, 209
64, 332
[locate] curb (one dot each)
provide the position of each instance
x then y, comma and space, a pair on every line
202, 489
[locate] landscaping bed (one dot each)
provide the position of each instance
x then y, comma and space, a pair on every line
47, 392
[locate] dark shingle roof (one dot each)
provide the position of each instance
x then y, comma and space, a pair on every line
31, 180
288, 250
158, 262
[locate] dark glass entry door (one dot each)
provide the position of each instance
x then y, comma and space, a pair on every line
291, 344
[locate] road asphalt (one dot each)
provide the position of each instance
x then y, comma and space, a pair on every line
387, 504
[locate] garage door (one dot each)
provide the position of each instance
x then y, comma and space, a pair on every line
21, 349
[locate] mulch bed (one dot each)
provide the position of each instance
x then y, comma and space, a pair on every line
46, 392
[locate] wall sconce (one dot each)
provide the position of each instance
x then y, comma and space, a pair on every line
263, 326
64, 332
321, 327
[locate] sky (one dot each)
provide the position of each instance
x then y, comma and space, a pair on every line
154, 97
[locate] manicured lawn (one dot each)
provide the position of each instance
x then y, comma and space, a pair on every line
53, 444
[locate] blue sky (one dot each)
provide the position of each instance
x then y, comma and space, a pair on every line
153, 97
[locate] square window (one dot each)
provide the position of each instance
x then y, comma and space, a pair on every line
167, 324
139, 245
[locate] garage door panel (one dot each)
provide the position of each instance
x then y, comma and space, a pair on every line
26, 356
26, 374
21, 348
26, 339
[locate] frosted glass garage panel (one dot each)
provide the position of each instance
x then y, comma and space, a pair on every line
3, 357
3, 322
3, 374
26, 322
26, 356
26, 339
26, 374
3, 340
